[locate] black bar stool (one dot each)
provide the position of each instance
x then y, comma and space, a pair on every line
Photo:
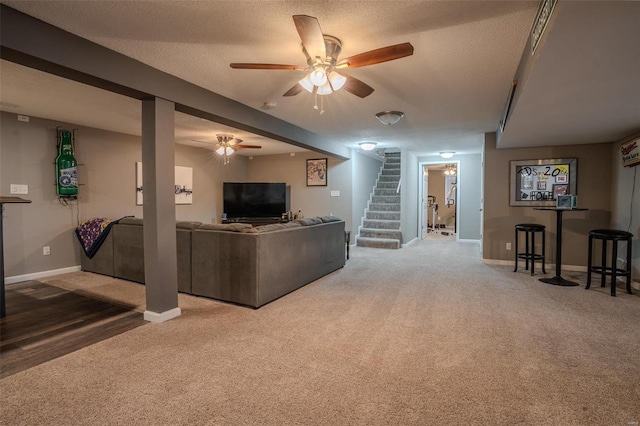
529, 254
614, 236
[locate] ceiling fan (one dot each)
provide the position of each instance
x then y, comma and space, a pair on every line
322, 51
227, 145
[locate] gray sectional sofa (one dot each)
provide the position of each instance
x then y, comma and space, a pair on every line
236, 262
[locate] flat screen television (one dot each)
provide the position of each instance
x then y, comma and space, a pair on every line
254, 200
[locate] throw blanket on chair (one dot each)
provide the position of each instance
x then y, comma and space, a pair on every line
92, 234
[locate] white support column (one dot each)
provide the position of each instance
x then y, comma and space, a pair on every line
158, 182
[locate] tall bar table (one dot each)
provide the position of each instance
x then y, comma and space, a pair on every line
558, 280
3, 201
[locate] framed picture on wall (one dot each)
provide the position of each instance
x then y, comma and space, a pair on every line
539, 182
317, 172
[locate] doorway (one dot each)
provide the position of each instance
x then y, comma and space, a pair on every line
439, 193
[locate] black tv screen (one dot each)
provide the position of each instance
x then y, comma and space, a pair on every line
247, 200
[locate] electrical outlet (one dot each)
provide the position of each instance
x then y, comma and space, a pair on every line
46, 250
508, 246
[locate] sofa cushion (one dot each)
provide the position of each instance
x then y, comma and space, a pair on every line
131, 221
189, 225
234, 227
329, 218
271, 227
306, 221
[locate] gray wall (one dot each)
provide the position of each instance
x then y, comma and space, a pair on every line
365, 173
625, 202
469, 193
409, 197
594, 192
469, 185
107, 177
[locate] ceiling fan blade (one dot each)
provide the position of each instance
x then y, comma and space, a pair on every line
247, 146
311, 35
377, 56
249, 66
294, 90
358, 88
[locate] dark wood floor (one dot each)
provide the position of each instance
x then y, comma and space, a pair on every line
44, 322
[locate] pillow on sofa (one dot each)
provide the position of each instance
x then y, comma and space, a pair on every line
306, 221
329, 218
233, 227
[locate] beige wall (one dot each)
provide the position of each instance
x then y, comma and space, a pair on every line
625, 201
106, 174
312, 200
594, 185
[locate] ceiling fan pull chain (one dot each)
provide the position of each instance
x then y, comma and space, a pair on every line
315, 103
321, 105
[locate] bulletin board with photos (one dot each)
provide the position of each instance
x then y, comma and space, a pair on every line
539, 182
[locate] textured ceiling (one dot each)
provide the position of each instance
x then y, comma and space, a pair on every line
452, 89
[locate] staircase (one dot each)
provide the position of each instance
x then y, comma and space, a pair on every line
381, 225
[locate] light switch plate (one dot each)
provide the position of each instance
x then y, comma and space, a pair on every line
19, 189
335, 193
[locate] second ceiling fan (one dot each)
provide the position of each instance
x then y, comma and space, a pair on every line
322, 53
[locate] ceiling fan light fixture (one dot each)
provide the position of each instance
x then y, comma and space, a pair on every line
229, 150
389, 117
306, 84
325, 89
220, 150
367, 146
447, 154
337, 80
318, 76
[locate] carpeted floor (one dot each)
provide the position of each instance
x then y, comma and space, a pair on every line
422, 335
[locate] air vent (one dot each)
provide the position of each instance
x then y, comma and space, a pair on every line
539, 25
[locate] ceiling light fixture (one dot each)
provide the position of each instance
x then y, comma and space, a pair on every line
447, 154
367, 146
450, 170
389, 117
225, 147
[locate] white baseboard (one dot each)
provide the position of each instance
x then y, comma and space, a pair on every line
550, 267
163, 316
464, 240
410, 243
37, 275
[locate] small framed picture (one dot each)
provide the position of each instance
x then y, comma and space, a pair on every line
561, 179
542, 185
559, 189
564, 202
317, 172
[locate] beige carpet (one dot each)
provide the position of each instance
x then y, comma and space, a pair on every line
424, 335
